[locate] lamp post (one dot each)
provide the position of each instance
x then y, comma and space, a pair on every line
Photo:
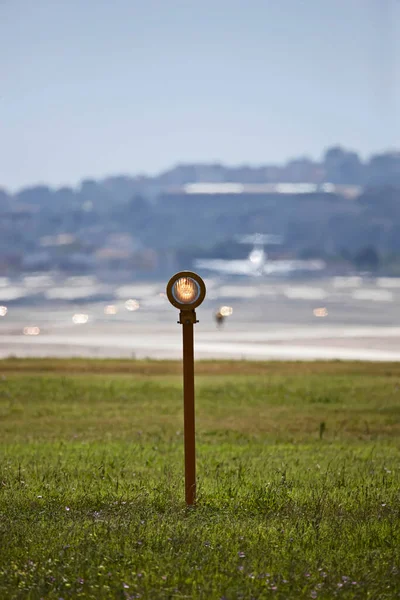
186, 291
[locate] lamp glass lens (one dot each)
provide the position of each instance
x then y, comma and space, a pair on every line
186, 290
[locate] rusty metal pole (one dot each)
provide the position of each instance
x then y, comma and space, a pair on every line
186, 290
189, 411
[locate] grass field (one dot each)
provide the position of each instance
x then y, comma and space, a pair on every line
298, 481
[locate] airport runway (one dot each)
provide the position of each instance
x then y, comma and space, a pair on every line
335, 318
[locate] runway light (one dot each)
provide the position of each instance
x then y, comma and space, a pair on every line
80, 319
3, 311
320, 312
31, 330
186, 291
226, 311
132, 305
110, 310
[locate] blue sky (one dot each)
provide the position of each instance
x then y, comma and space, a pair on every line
91, 88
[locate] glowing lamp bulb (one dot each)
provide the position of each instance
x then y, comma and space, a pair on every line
186, 290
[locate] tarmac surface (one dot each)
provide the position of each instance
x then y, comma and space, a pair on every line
331, 318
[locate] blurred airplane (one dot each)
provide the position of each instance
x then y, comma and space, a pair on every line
257, 262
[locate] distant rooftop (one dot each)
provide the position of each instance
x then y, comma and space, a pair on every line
348, 191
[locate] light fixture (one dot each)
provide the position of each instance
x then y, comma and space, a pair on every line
186, 290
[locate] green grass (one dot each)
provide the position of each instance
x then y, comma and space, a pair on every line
91, 481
